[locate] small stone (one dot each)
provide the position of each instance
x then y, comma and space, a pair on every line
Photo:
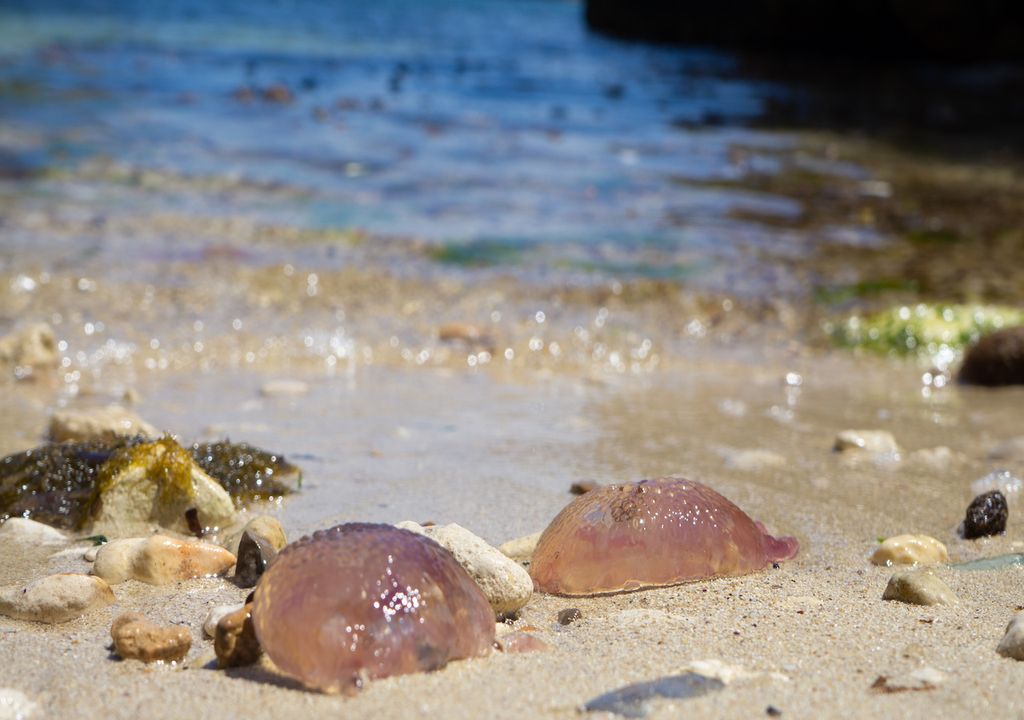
521, 642
284, 388
235, 640
504, 582
90, 554
262, 539
24, 531
910, 550
633, 700
986, 515
1012, 644
104, 424
15, 705
582, 487
464, 333
214, 616
925, 678
772, 711
997, 359
569, 616
159, 560
56, 598
918, 587
521, 549
31, 348
871, 441
136, 638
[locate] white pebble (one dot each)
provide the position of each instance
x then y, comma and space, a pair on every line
910, 550
29, 532
871, 441
160, 560
55, 598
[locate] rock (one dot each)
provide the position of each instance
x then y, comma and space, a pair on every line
521, 549
159, 560
986, 515
136, 638
98, 424
284, 388
633, 700
997, 359
214, 616
877, 442
582, 487
90, 554
55, 598
29, 532
159, 482
918, 587
1002, 480
910, 550
14, 705
506, 584
569, 616
753, 460
235, 641
1012, 644
262, 538
31, 348
521, 642
925, 678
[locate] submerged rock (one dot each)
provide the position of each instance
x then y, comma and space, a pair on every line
56, 598
262, 539
918, 587
633, 701
1012, 644
910, 550
136, 638
363, 601
506, 584
104, 424
997, 359
235, 639
986, 515
159, 560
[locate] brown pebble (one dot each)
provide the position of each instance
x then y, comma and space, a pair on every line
569, 616
136, 638
520, 642
235, 642
583, 487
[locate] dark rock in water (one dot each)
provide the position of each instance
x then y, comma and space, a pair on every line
247, 472
569, 616
632, 700
986, 515
991, 563
996, 359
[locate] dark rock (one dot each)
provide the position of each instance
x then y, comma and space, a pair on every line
261, 540
583, 487
632, 700
986, 515
236, 643
569, 616
996, 359
772, 711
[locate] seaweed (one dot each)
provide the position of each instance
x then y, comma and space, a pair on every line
246, 472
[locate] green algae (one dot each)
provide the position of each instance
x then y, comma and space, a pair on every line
931, 330
246, 472
163, 461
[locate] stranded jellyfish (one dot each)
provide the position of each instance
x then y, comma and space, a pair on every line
362, 601
650, 533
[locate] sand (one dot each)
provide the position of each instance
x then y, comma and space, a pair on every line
497, 454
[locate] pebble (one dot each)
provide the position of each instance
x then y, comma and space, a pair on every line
104, 423
872, 441
284, 388
926, 678
55, 598
159, 560
235, 640
1012, 644
136, 638
521, 549
910, 550
918, 587
633, 701
505, 583
32, 347
262, 538
997, 359
521, 642
569, 616
90, 554
29, 532
986, 515
582, 487
15, 705
464, 333
216, 613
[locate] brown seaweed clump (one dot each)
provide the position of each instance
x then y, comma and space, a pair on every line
647, 534
362, 601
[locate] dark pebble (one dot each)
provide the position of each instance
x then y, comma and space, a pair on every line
569, 616
772, 711
632, 700
583, 487
986, 515
255, 553
997, 359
